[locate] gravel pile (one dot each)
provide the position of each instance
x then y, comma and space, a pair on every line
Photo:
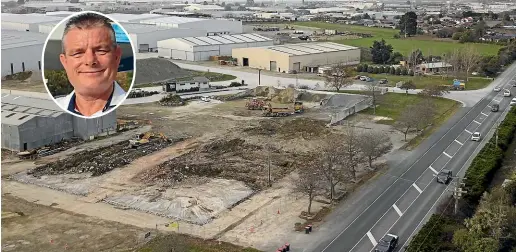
156, 70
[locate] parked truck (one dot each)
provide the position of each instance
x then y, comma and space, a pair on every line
457, 85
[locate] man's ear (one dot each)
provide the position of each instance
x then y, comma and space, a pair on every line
62, 58
118, 53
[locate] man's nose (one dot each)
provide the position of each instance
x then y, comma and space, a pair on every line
90, 58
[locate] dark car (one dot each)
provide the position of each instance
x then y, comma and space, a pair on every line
444, 177
387, 244
495, 107
383, 81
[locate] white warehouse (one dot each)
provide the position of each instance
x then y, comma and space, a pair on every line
26, 22
212, 26
21, 51
201, 48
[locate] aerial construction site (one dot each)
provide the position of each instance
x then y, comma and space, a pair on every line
221, 168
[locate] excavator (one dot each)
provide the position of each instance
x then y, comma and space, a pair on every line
142, 139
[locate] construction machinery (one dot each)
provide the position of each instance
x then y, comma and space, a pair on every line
145, 138
255, 104
270, 111
457, 85
298, 107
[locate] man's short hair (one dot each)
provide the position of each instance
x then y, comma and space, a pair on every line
87, 21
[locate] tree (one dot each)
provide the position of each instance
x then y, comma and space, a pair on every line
339, 76
309, 180
466, 36
372, 90
374, 144
445, 33
370, 69
398, 71
365, 54
241, 8
381, 69
434, 91
227, 7
408, 24
426, 113
359, 68
375, 70
223, 4
408, 85
404, 71
57, 82
479, 30
396, 57
415, 58
392, 70
351, 155
204, 3
490, 65
381, 52
331, 159
470, 59
456, 35
408, 120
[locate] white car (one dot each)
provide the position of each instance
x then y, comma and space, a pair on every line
363, 78
513, 102
497, 89
205, 99
506, 93
475, 136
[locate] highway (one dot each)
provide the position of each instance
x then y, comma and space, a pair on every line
407, 196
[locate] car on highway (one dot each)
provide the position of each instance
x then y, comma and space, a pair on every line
387, 244
444, 176
513, 82
495, 107
475, 136
506, 92
513, 102
497, 89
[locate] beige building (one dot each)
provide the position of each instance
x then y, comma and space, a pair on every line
304, 57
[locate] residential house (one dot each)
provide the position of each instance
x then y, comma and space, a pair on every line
433, 68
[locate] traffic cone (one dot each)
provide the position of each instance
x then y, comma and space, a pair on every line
51, 241
278, 211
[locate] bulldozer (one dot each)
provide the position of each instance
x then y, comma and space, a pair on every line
298, 107
142, 139
255, 104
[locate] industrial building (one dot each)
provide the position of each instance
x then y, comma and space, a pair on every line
302, 57
132, 18
26, 22
33, 122
212, 26
201, 48
21, 51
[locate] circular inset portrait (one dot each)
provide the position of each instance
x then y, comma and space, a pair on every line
88, 64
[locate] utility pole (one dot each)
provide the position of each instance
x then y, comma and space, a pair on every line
259, 76
457, 193
269, 161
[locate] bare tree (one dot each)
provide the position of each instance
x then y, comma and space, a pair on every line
338, 77
470, 59
374, 91
330, 161
373, 144
434, 91
309, 180
426, 110
408, 120
408, 85
351, 151
455, 59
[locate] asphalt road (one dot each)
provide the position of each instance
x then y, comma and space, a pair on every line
404, 196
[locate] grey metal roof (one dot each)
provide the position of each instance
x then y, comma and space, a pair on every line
139, 28
124, 17
311, 48
173, 20
14, 39
223, 39
32, 18
17, 109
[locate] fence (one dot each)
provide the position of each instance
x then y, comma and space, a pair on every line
351, 110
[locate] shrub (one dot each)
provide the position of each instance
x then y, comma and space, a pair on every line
370, 69
235, 84
364, 68
381, 69
435, 235
404, 71
359, 68
396, 36
398, 71
392, 70
410, 72
375, 70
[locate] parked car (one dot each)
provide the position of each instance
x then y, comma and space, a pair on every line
387, 244
513, 102
369, 79
444, 177
205, 99
383, 81
363, 78
497, 89
475, 136
506, 92
495, 107
513, 82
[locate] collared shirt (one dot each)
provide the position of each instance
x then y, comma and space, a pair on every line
117, 96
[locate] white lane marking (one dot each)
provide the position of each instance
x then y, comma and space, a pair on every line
458, 142
476, 122
371, 238
496, 100
469, 132
16, 97
448, 155
489, 106
431, 168
484, 114
397, 209
417, 188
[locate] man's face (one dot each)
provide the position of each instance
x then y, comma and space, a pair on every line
90, 60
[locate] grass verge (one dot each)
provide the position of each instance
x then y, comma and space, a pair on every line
181, 242
421, 82
404, 45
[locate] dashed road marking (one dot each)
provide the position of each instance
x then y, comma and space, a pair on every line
469, 132
496, 100
484, 114
397, 210
458, 142
448, 155
431, 168
417, 187
371, 238
476, 122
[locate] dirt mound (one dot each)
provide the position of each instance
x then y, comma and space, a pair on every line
312, 97
156, 70
305, 128
276, 95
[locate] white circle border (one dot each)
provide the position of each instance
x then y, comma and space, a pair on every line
43, 63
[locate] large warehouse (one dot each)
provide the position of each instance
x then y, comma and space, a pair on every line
201, 48
21, 51
31, 122
297, 57
26, 22
212, 26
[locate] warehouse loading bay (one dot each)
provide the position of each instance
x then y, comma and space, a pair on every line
204, 170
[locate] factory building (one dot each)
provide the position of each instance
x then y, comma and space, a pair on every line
26, 22
303, 57
132, 18
21, 51
201, 48
33, 122
212, 26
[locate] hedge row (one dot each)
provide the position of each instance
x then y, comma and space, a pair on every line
489, 160
435, 235
384, 69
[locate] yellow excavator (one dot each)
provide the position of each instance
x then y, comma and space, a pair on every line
142, 139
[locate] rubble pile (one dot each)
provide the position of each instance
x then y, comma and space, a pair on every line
100, 161
275, 95
303, 127
156, 70
172, 100
229, 159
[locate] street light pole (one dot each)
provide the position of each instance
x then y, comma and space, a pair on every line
259, 76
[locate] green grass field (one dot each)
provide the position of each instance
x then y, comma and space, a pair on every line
404, 46
424, 81
181, 242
